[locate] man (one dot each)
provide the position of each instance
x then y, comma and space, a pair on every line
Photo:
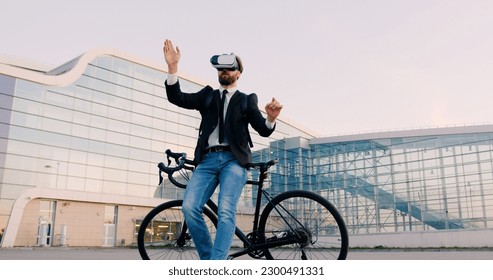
222, 150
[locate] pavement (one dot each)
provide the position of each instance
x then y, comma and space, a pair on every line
128, 253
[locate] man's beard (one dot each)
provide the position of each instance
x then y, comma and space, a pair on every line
226, 80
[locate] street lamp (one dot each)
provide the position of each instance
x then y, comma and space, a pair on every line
56, 168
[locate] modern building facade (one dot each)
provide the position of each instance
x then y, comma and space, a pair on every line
419, 181
79, 145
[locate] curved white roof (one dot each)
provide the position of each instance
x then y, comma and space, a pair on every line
69, 72
72, 70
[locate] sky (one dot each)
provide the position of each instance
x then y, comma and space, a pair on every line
338, 67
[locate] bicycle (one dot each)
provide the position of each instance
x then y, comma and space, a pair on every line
295, 224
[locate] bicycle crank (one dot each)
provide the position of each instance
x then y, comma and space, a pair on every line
256, 254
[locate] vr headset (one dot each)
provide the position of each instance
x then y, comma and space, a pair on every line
224, 61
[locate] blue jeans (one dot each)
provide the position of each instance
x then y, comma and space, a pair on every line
214, 168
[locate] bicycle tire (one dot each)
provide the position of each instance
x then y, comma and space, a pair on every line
320, 230
169, 217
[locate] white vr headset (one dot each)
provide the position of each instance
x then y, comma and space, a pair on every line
224, 61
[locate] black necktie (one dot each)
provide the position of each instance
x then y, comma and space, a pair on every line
221, 117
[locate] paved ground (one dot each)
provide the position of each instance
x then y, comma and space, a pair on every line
72, 253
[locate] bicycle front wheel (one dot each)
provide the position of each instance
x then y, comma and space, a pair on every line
163, 234
313, 224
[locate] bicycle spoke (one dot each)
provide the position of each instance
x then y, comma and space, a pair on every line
310, 220
160, 235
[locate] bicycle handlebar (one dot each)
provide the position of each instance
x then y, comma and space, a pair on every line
182, 162
180, 159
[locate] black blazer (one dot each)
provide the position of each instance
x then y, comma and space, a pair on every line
236, 128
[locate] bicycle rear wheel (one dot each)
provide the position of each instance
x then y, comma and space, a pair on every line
161, 236
308, 218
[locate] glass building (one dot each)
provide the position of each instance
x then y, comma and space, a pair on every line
428, 180
79, 147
